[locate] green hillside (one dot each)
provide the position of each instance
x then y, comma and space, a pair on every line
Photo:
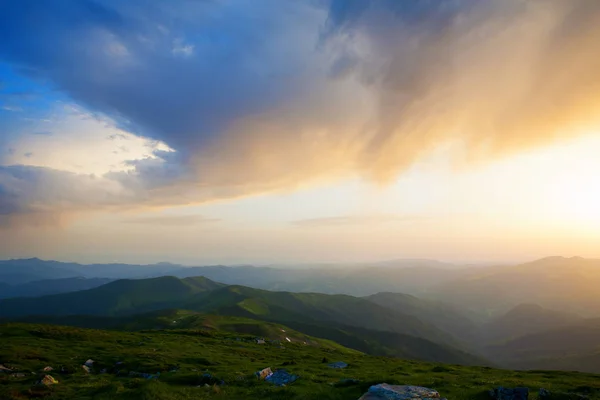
183, 319
194, 363
124, 297
354, 322
364, 340
116, 298
312, 307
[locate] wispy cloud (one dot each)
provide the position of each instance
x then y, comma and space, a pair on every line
353, 220
12, 108
172, 220
180, 48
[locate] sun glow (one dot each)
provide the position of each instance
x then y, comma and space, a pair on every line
574, 192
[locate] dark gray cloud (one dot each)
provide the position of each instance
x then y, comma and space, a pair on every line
42, 192
259, 95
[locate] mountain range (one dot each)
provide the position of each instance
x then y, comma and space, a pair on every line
512, 316
351, 321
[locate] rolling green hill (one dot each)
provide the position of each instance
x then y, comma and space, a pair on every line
313, 307
183, 319
361, 339
444, 316
200, 364
352, 321
116, 298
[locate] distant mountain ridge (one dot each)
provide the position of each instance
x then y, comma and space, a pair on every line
485, 292
526, 319
116, 298
572, 348
50, 286
18, 271
557, 283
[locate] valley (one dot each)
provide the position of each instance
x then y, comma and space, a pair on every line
383, 330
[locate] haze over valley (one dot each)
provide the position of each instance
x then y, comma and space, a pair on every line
418, 309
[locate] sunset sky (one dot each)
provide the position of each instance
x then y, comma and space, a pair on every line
267, 131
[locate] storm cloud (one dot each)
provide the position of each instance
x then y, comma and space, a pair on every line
256, 96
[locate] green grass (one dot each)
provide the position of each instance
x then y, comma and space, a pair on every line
30, 347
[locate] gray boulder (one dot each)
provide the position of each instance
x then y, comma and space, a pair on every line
545, 394
383, 391
502, 393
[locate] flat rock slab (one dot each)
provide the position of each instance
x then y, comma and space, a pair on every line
281, 378
338, 365
384, 391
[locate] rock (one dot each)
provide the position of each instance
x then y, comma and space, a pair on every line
262, 374
281, 378
502, 393
210, 379
135, 374
338, 365
546, 394
4, 369
383, 391
48, 380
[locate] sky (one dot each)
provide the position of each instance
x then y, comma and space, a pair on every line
287, 131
